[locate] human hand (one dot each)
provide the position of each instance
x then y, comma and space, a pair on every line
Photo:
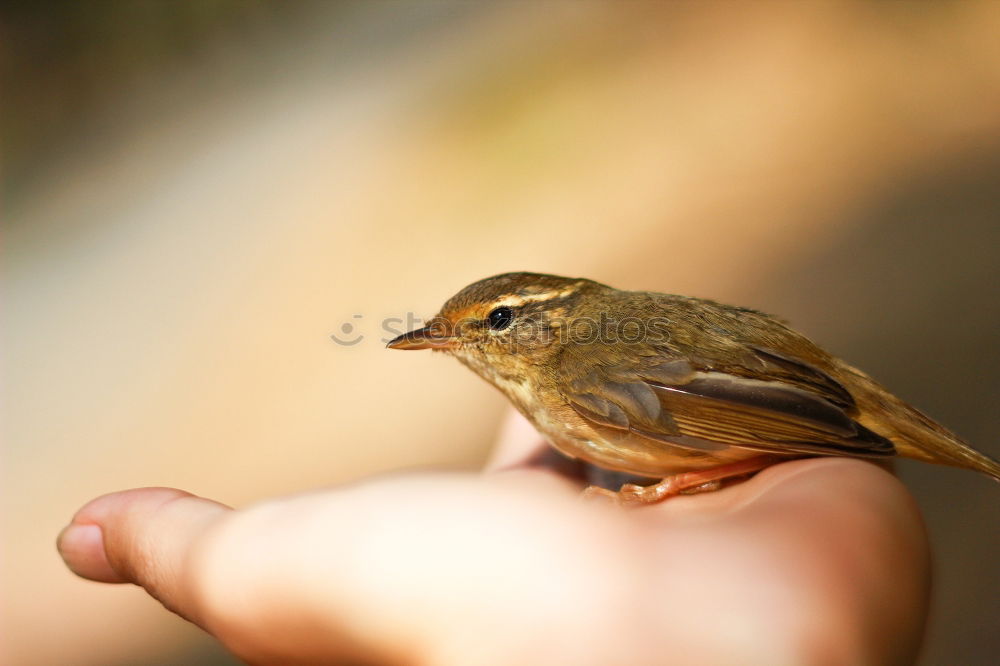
812, 561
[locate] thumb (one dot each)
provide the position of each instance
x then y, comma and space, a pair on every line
139, 536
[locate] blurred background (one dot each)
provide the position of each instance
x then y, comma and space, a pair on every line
197, 195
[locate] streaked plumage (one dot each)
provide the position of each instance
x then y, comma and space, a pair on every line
656, 384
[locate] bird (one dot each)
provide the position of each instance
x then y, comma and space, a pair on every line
687, 390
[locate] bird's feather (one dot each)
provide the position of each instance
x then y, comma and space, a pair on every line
673, 401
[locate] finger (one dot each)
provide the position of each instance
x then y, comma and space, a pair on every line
836, 543
520, 446
862, 542
140, 536
517, 443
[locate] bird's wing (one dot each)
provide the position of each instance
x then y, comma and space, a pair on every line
677, 402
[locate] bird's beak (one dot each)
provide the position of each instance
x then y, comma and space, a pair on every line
428, 337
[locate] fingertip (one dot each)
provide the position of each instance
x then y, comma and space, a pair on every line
135, 535
81, 547
517, 443
81, 544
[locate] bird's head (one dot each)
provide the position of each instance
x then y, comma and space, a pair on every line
505, 323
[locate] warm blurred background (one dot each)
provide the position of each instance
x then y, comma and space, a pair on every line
198, 194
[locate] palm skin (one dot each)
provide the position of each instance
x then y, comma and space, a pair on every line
810, 562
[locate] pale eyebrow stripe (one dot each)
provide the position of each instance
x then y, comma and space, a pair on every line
514, 300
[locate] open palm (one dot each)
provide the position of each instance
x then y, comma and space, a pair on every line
820, 561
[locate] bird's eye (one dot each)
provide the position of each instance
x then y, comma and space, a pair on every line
500, 318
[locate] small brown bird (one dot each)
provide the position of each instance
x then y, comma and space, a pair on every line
684, 389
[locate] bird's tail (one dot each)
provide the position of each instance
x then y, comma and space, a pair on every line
918, 436
915, 434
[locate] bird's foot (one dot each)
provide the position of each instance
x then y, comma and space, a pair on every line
687, 483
